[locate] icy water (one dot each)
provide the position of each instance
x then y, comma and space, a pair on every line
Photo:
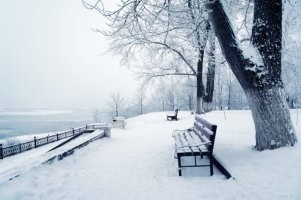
22, 122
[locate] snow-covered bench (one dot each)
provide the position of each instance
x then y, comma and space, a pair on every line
118, 122
197, 141
173, 116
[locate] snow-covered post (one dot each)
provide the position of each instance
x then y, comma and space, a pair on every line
107, 131
1, 151
35, 141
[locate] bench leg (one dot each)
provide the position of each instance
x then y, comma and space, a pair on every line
211, 165
179, 165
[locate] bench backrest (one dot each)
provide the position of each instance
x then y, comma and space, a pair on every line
205, 130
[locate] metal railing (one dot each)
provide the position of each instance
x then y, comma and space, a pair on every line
38, 142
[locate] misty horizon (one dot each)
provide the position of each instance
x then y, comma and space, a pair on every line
51, 58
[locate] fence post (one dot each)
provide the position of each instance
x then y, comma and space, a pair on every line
1, 151
73, 131
35, 141
20, 147
57, 137
86, 126
47, 138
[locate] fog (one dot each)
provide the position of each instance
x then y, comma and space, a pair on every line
50, 57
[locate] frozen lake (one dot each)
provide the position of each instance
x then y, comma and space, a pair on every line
22, 122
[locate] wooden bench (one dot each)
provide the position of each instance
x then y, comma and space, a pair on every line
197, 141
173, 116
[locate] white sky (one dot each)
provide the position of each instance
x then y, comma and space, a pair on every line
50, 57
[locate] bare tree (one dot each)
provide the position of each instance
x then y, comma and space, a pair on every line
164, 30
141, 98
160, 93
291, 52
116, 102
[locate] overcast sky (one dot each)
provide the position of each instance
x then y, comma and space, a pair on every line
50, 57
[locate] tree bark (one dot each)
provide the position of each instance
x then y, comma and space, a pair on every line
201, 38
267, 37
200, 65
210, 74
200, 85
271, 118
261, 83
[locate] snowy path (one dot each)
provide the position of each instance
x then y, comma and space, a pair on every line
137, 163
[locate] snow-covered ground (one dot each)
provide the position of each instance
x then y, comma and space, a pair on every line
138, 163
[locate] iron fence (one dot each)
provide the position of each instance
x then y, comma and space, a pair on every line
38, 142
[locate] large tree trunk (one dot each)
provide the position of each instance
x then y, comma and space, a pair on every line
201, 38
210, 74
261, 81
271, 117
199, 82
200, 85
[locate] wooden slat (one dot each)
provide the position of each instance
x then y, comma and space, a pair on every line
202, 136
183, 143
203, 129
207, 124
207, 129
178, 142
202, 148
189, 142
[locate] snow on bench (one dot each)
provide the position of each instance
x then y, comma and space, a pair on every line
196, 141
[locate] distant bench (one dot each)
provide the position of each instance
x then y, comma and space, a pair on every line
118, 122
173, 116
196, 141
